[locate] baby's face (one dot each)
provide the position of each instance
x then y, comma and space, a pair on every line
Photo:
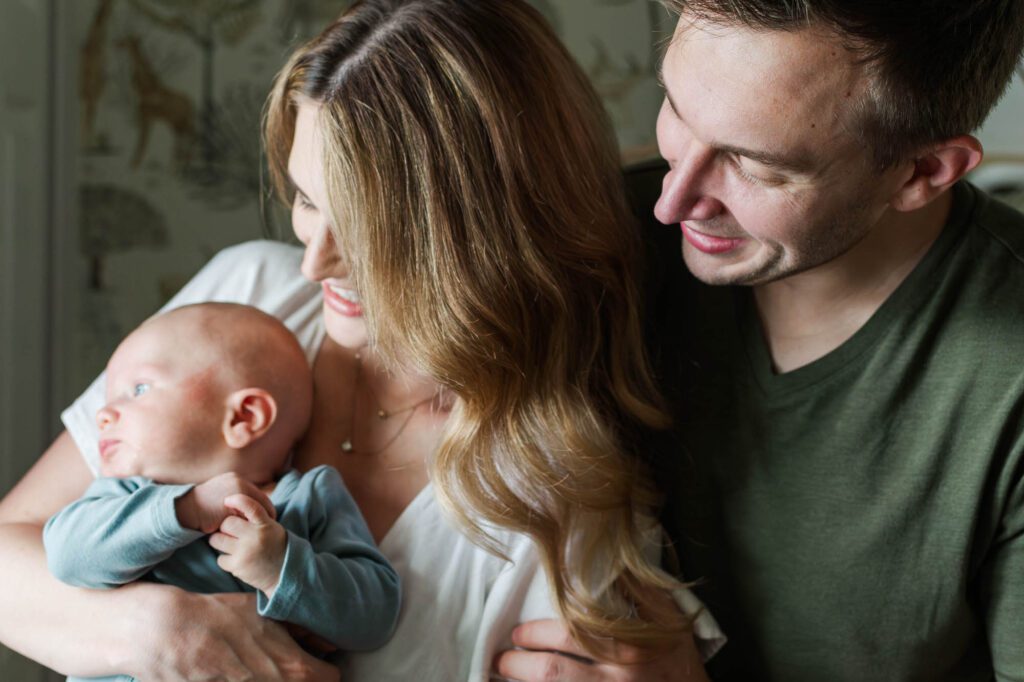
164, 408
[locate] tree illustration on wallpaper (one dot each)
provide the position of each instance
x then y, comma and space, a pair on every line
92, 76
114, 220
300, 19
208, 25
236, 172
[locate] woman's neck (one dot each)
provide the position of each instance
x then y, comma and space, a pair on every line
383, 460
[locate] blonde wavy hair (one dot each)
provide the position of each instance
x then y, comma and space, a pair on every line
476, 195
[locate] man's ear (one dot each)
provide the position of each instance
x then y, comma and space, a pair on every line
249, 415
937, 170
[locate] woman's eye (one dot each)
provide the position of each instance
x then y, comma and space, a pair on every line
303, 202
139, 389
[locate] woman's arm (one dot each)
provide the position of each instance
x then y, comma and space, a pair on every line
146, 630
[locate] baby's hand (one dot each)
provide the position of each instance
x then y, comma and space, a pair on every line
253, 544
203, 508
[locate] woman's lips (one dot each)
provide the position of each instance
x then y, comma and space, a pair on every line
340, 305
708, 244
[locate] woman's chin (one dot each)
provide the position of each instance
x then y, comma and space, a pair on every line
344, 330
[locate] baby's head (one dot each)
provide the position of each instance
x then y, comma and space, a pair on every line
203, 390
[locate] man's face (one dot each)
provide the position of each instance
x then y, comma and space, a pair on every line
766, 179
164, 408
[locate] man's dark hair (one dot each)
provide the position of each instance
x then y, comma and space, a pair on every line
938, 67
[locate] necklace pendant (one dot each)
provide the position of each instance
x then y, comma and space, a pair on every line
346, 445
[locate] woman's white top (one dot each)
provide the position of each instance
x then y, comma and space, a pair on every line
459, 602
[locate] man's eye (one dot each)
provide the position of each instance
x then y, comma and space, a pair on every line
747, 176
139, 389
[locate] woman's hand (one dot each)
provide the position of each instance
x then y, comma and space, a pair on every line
548, 653
189, 637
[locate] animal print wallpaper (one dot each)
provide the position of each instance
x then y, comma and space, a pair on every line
168, 154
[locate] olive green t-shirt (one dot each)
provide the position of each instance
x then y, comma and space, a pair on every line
862, 517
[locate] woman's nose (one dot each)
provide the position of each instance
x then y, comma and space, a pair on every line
105, 417
321, 259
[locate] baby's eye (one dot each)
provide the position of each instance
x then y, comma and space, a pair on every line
139, 389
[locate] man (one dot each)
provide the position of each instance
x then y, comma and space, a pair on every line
849, 484
851, 389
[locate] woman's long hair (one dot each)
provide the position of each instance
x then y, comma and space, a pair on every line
476, 195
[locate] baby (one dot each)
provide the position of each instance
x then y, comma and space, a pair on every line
204, 404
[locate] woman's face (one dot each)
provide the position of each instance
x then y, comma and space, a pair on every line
343, 313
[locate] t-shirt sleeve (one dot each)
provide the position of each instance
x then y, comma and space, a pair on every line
115, 533
263, 274
1002, 580
521, 593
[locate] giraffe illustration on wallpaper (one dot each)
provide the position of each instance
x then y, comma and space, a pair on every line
210, 26
92, 78
157, 102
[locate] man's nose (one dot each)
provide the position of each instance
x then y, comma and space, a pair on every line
687, 192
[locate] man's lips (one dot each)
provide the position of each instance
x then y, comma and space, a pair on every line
340, 305
106, 446
707, 243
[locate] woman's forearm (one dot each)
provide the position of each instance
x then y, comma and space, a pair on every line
74, 631
143, 629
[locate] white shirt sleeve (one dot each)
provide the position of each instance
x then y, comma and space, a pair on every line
263, 274
521, 593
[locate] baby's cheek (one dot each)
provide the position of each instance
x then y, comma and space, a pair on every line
200, 388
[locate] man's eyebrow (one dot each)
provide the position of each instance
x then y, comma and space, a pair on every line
765, 158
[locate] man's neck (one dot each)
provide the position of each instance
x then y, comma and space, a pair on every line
810, 314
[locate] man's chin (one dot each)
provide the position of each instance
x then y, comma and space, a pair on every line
717, 275
716, 271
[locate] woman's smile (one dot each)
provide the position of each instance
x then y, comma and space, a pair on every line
341, 300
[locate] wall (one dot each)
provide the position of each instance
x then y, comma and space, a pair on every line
26, 211
1003, 132
154, 209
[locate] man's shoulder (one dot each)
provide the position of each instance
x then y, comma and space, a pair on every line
1003, 227
987, 269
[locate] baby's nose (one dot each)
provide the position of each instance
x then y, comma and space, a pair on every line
105, 417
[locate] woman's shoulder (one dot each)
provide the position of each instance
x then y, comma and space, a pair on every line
272, 258
261, 273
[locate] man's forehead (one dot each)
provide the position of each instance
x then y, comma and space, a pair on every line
759, 89
789, 61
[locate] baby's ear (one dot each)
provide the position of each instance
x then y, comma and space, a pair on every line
250, 414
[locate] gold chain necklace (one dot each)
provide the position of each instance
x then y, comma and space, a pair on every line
347, 445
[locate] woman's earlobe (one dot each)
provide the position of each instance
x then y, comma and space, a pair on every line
937, 170
249, 414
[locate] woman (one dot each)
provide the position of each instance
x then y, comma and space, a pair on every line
475, 345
